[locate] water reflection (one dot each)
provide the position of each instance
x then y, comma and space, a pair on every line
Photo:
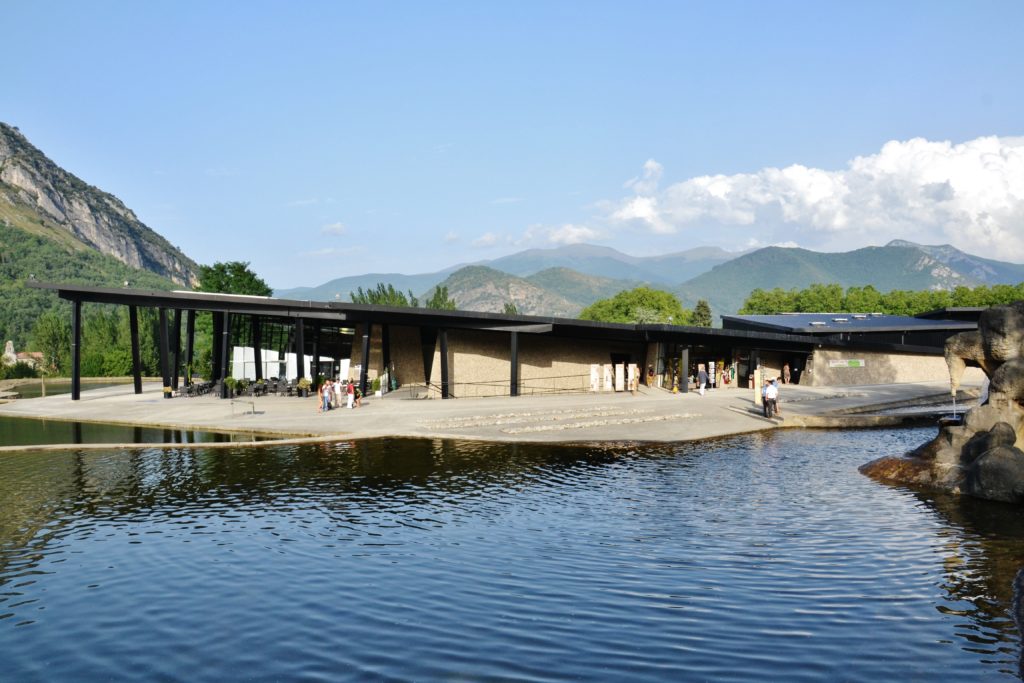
758, 557
20, 431
983, 553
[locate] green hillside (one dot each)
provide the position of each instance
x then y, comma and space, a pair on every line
50, 255
479, 288
579, 288
886, 268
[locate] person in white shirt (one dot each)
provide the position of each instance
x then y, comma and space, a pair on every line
771, 398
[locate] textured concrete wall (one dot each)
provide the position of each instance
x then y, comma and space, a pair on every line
879, 368
478, 362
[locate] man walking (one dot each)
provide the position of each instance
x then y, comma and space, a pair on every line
702, 378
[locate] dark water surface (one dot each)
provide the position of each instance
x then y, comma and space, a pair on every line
23, 431
761, 557
55, 387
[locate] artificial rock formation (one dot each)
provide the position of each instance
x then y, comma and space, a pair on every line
982, 456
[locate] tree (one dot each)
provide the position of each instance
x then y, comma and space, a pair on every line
232, 277
440, 301
702, 314
52, 336
642, 305
761, 302
384, 295
510, 308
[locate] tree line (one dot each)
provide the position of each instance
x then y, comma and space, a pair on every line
832, 298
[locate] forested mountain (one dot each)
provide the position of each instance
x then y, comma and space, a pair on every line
606, 262
55, 227
898, 265
479, 288
551, 279
38, 196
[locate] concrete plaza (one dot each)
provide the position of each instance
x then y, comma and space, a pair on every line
650, 415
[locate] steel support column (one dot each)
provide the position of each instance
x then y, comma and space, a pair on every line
165, 360
444, 363
190, 344
365, 364
513, 383
314, 371
385, 350
177, 349
257, 345
300, 347
225, 347
76, 350
133, 327
218, 329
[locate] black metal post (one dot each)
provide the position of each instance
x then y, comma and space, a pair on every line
257, 345
513, 384
365, 365
218, 332
190, 343
165, 361
177, 349
444, 363
76, 350
315, 370
300, 347
133, 326
385, 350
225, 347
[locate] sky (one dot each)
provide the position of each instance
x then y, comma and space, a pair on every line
322, 139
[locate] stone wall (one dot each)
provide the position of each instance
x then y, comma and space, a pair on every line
878, 368
478, 361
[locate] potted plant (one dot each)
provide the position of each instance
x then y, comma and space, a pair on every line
241, 385
230, 383
303, 386
375, 386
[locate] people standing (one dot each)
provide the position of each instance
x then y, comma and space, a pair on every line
350, 391
771, 396
325, 396
785, 373
339, 387
702, 378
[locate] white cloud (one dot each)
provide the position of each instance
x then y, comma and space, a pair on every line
486, 240
970, 195
451, 237
337, 228
572, 234
647, 182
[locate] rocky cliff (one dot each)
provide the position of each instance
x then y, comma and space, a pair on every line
29, 180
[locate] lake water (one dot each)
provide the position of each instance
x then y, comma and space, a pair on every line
752, 558
20, 431
55, 387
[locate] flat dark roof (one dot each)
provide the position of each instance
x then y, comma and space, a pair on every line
769, 332
836, 323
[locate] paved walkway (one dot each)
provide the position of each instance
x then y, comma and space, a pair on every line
651, 415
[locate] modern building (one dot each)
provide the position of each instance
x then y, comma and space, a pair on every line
456, 354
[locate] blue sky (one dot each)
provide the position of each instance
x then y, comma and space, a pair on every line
317, 140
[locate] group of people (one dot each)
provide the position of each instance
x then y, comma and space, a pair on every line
331, 395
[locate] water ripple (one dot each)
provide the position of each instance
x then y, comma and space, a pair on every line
758, 557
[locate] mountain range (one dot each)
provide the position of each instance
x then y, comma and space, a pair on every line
563, 280
55, 226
